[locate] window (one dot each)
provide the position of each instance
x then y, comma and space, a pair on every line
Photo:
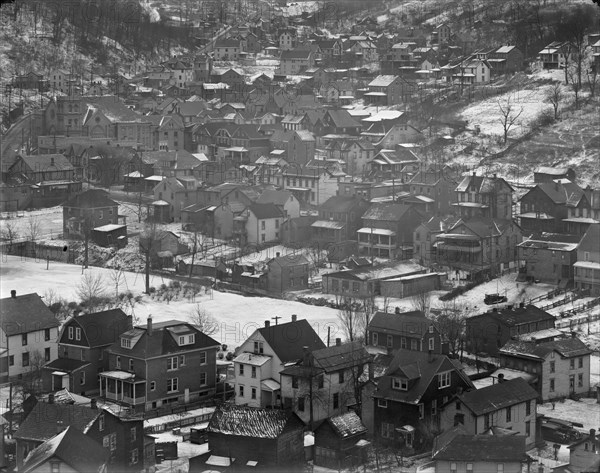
125, 343
421, 411
152, 385
172, 363
341, 376
24, 339
552, 366
581, 362
431, 343
101, 422
469, 467
25, 359
413, 344
82, 378
133, 434
202, 358
46, 354
258, 347
254, 371
580, 380
130, 364
572, 364
262, 225
444, 380
11, 360
203, 379
47, 336
551, 354
77, 333
55, 466
387, 430
253, 393
241, 390
434, 407
375, 337
182, 360
500, 467
382, 403
118, 362
528, 428
133, 457
390, 341
301, 404
528, 408
320, 381
486, 421
172, 385
552, 385
241, 370
508, 414
452, 467
403, 342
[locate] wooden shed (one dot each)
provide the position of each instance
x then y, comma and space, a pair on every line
340, 442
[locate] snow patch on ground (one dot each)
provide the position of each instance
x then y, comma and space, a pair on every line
586, 411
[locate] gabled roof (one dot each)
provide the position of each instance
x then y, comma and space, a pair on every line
497, 396
382, 81
339, 357
102, 328
263, 211
421, 366
481, 184
590, 239
347, 425
113, 108
291, 54
342, 119
564, 192
243, 421
566, 347
340, 203
72, 447
484, 226
288, 260
41, 423
24, 314
389, 211
411, 324
92, 198
481, 448
274, 197
287, 340
515, 316
47, 162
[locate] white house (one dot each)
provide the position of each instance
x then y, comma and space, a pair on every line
262, 357
28, 334
264, 223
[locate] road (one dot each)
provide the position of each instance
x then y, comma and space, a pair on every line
11, 141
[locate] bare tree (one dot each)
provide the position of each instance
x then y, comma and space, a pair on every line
9, 233
30, 384
203, 320
91, 290
351, 319
592, 76
555, 96
198, 242
117, 276
508, 116
421, 301
149, 244
451, 324
571, 72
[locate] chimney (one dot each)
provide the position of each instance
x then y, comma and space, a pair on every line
59, 426
338, 342
13, 294
294, 318
51, 398
474, 173
592, 434
94, 403
397, 310
500, 378
267, 323
278, 254
573, 334
149, 326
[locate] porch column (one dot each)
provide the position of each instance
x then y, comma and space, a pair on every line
133, 394
101, 381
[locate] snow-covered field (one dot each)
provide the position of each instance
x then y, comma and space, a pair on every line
585, 411
238, 316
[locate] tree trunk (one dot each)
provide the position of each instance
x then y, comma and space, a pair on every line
148, 272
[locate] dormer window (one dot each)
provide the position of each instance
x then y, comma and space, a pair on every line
187, 339
400, 384
125, 343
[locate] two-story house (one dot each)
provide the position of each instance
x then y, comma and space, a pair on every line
121, 437
584, 454
408, 331
287, 39
162, 363
587, 267
339, 219
384, 90
508, 405
28, 334
506, 60
294, 61
88, 210
549, 257
287, 273
437, 184
227, 50
81, 351
555, 55
562, 366
325, 382
285, 200
312, 184
490, 331
425, 236
178, 193
262, 357
387, 230
259, 224
483, 196
544, 207
410, 394
455, 451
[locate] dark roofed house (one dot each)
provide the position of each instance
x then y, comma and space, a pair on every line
340, 441
81, 351
490, 331
407, 330
70, 450
86, 211
270, 437
339, 219
584, 454
561, 366
509, 405
408, 397
287, 273
28, 329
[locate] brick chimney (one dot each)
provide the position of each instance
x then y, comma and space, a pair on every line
294, 318
59, 426
397, 310
267, 323
500, 378
13, 294
149, 325
338, 342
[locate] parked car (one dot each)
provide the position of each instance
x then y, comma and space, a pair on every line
491, 299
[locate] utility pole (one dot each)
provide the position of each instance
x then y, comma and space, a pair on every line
276, 318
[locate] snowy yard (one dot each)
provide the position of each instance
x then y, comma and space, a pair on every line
238, 316
585, 411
